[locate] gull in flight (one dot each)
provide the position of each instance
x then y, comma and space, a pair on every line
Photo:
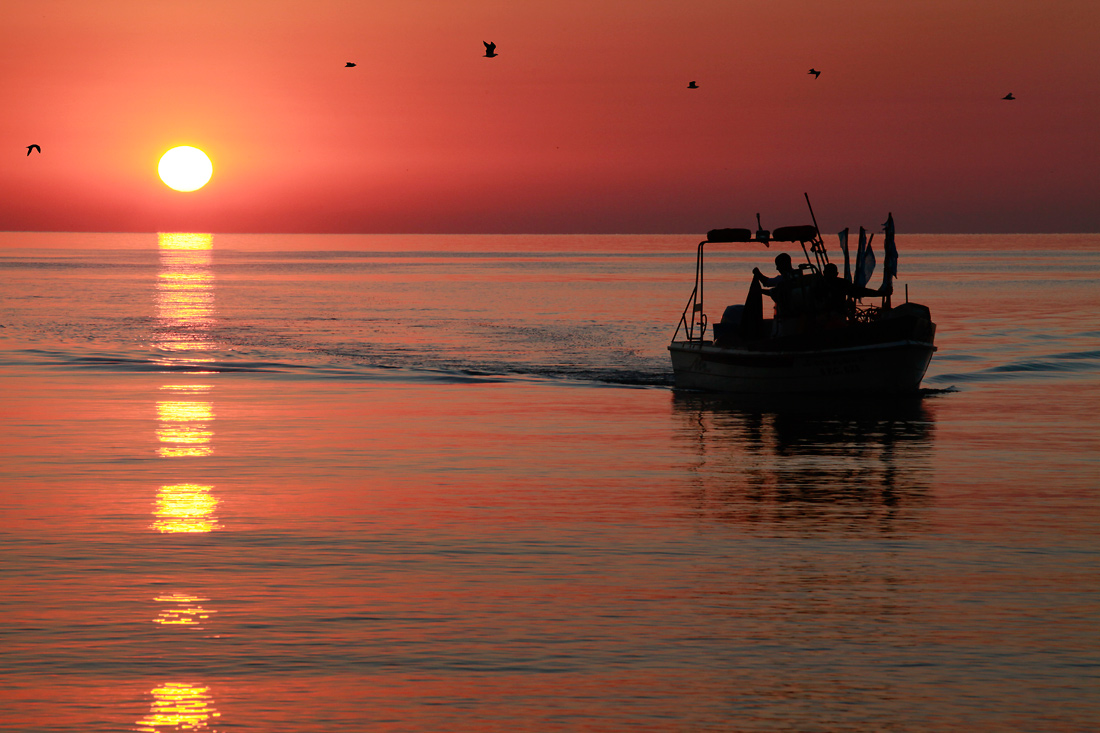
349, 64
1008, 96
490, 49
692, 85
815, 72
33, 147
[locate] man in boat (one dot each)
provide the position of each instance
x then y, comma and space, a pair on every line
786, 290
786, 272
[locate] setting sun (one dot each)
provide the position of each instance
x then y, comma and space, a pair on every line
185, 168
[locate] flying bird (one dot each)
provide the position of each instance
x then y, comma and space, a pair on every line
490, 49
815, 72
692, 85
1008, 96
33, 147
349, 64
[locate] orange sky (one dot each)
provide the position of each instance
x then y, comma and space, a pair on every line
583, 123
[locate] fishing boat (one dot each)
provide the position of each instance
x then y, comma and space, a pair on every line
822, 338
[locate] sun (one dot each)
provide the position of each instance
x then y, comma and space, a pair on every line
185, 168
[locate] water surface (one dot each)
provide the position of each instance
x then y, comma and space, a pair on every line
442, 483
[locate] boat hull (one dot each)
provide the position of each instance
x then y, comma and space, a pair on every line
882, 368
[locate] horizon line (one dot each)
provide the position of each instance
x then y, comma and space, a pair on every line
490, 233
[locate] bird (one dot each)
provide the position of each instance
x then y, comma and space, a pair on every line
815, 72
33, 147
490, 49
1009, 97
692, 85
349, 64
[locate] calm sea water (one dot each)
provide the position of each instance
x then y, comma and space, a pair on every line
442, 483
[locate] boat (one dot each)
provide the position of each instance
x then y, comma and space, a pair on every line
823, 337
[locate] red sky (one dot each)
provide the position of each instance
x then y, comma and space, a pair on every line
583, 123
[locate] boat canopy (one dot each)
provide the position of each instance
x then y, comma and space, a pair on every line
729, 235
803, 233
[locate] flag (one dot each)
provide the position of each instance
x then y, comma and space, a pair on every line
867, 266
844, 247
865, 260
890, 266
859, 253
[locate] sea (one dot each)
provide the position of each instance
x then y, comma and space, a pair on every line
334, 483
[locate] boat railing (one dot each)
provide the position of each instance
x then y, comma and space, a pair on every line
694, 307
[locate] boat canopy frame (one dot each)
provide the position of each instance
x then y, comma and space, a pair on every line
695, 326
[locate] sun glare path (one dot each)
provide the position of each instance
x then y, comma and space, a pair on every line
183, 428
185, 295
179, 707
185, 240
184, 610
185, 509
185, 168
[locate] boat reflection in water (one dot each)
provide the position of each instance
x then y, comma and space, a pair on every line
809, 464
179, 706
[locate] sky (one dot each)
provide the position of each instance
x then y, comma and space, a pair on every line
583, 123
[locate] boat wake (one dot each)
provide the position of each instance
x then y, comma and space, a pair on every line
417, 368
1048, 366
342, 369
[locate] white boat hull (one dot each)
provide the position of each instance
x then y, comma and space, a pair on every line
893, 367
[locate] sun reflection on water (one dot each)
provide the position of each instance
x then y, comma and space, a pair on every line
179, 707
185, 508
185, 241
185, 610
184, 425
185, 316
185, 293
185, 411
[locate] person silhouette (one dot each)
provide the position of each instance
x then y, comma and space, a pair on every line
834, 294
783, 265
782, 288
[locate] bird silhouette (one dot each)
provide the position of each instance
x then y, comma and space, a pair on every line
33, 147
1008, 96
490, 49
349, 64
815, 72
692, 85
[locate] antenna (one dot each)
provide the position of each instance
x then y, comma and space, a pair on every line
762, 234
811, 208
818, 247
